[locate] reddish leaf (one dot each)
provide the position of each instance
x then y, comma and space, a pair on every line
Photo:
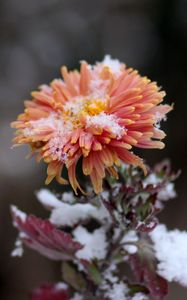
144, 271
148, 225
48, 291
44, 237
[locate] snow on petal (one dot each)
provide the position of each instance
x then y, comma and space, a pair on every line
107, 122
113, 64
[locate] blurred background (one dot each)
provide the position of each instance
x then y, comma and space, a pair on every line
36, 38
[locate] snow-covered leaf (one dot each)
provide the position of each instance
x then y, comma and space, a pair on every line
44, 237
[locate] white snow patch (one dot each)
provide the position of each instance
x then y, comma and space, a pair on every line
70, 215
171, 251
77, 297
158, 118
139, 296
117, 291
130, 237
105, 195
98, 85
107, 122
167, 192
75, 105
109, 276
151, 179
47, 198
128, 241
18, 251
114, 64
42, 125
68, 197
63, 214
61, 286
101, 214
95, 244
18, 213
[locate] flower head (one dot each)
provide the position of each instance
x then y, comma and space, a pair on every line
97, 114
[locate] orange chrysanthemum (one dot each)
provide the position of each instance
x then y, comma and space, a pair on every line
97, 114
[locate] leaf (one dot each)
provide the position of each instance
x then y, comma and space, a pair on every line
148, 225
145, 272
137, 288
44, 237
49, 291
73, 277
94, 273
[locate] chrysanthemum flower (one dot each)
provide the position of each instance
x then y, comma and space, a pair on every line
97, 114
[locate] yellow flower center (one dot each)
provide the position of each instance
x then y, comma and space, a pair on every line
79, 108
95, 107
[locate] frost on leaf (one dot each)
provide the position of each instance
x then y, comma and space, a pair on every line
45, 238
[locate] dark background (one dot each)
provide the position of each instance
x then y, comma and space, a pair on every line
36, 38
